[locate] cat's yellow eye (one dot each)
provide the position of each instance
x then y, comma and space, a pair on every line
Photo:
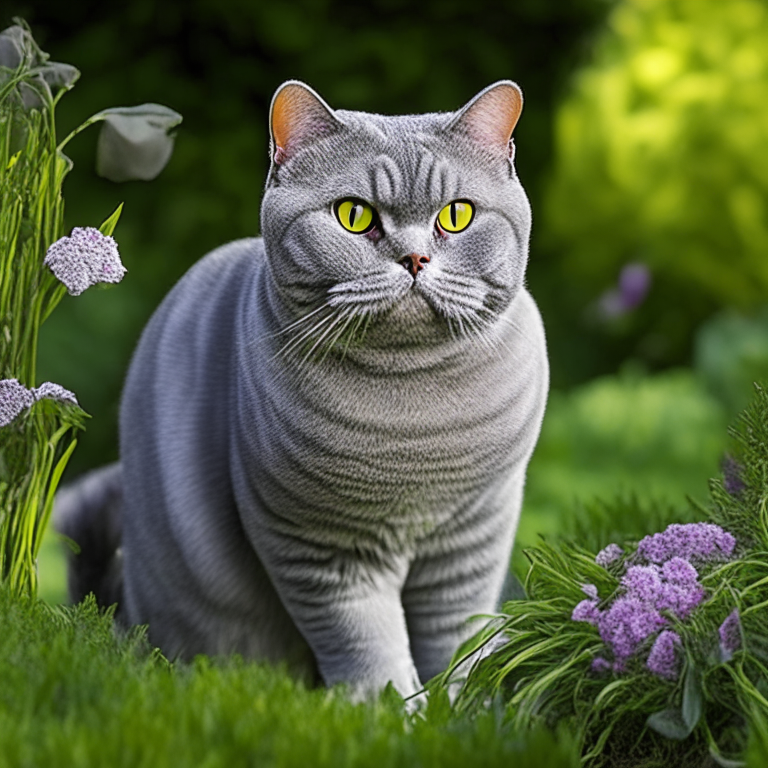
456, 216
354, 215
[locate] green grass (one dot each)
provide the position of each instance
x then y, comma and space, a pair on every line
72, 694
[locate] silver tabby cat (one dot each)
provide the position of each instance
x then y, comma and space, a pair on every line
325, 432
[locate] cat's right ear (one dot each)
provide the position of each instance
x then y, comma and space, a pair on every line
297, 117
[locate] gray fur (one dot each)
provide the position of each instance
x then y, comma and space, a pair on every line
323, 457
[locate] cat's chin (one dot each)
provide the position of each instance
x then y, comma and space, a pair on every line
410, 322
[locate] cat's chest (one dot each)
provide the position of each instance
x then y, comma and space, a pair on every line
347, 449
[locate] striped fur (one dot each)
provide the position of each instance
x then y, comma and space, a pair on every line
323, 456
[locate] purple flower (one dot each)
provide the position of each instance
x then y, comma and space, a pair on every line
643, 582
732, 472
627, 623
609, 555
680, 600
600, 665
588, 611
633, 285
14, 398
679, 571
85, 258
690, 541
52, 391
590, 590
663, 658
730, 635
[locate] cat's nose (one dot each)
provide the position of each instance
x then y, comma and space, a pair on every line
415, 263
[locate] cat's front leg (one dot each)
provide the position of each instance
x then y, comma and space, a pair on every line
453, 578
351, 616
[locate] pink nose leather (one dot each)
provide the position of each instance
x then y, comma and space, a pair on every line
415, 263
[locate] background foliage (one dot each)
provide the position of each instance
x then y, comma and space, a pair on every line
660, 159
218, 62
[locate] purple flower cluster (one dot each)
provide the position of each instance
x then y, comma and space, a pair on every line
730, 635
664, 657
15, 397
693, 541
609, 555
732, 475
662, 579
85, 258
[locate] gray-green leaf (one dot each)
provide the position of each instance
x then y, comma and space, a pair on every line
135, 142
692, 697
59, 75
670, 723
11, 47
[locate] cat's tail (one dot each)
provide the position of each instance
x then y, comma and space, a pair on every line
89, 511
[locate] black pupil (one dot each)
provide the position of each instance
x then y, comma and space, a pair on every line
355, 212
453, 215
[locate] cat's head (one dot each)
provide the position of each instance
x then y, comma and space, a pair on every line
413, 227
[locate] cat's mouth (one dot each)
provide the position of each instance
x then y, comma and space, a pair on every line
394, 308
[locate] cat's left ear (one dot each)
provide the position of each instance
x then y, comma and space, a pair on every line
297, 117
491, 116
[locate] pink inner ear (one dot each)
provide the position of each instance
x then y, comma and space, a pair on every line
298, 116
491, 119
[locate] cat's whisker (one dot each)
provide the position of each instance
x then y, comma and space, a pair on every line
302, 337
303, 319
339, 333
362, 320
339, 316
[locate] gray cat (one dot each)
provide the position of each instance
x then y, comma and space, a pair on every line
325, 432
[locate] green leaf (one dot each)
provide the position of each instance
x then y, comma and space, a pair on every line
692, 697
108, 226
670, 723
135, 143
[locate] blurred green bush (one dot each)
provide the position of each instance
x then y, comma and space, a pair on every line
645, 442
730, 353
660, 159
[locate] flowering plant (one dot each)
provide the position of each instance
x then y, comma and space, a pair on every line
654, 651
38, 264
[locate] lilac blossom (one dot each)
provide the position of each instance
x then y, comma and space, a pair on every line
679, 571
643, 582
15, 397
609, 555
588, 611
661, 578
600, 665
680, 600
663, 659
633, 286
85, 258
690, 541
590, 590
627, 623
732, 472
730, 635
51, 391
